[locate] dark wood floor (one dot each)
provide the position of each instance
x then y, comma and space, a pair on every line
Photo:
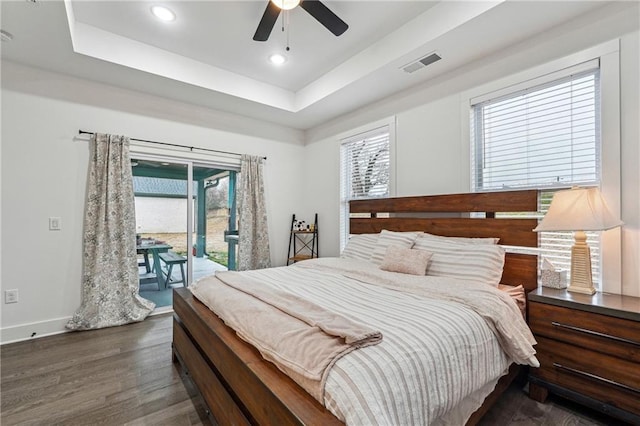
124, 376
515, 408
115, 376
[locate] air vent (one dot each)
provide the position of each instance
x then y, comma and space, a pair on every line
421, 63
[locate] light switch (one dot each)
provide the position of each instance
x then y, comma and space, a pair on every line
55, 224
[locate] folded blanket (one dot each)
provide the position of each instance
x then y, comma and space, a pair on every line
330, 322
299, 337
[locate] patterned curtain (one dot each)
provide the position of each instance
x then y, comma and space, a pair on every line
110, 276
253, 239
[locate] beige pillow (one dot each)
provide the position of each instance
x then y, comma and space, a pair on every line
405, 260
387, 238
477, 262
360, 246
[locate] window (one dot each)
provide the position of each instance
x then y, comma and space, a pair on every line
365, 171
544, 137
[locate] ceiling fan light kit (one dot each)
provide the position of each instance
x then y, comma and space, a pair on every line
315, 8
286, 4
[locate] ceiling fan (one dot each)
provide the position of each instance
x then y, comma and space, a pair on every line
315, 8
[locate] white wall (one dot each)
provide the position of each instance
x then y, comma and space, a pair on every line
44, 169
630, 162
432, 143
322, 192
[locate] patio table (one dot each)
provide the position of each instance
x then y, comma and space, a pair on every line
155, 249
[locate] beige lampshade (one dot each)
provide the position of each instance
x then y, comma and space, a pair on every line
578, 209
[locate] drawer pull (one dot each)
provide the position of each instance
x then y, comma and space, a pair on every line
595, 333
595, 377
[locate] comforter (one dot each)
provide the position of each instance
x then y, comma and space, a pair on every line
444, 342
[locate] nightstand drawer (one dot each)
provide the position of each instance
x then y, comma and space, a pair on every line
609, 335
606, 378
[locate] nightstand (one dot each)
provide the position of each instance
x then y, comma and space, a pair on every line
589, 350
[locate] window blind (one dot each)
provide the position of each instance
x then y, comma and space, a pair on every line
542, 137
365, 165
364, 170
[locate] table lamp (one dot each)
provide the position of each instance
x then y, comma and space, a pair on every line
579, 210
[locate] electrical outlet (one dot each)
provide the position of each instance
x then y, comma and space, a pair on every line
11, 296
55, 224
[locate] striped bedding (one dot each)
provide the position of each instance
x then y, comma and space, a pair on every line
463, 260
438, 358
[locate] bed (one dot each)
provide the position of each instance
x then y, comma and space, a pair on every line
240, 387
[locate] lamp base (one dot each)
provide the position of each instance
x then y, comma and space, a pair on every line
584, 290
581, 281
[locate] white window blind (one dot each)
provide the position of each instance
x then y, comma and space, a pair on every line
365, 164
543, 137
364, 170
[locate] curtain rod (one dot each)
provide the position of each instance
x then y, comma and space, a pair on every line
191, 148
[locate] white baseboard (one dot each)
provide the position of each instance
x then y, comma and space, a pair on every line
34, 330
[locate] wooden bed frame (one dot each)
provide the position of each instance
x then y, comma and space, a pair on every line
239, 387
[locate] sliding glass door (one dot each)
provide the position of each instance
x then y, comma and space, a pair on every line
185, 219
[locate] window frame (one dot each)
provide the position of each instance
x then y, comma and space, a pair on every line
347, 137
608, 54
554, 246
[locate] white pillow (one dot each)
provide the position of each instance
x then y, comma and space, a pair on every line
488, 240
478, 262
405, 260
360, 246
387, 238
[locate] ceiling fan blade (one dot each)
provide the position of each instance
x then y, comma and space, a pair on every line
267, 22
325, 16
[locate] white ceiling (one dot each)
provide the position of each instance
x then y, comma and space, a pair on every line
220, 34
207, 56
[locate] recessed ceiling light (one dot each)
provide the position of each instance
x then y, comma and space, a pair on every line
163, 13
286, 4
277, 59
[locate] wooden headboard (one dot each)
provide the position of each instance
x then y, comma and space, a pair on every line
417, 214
